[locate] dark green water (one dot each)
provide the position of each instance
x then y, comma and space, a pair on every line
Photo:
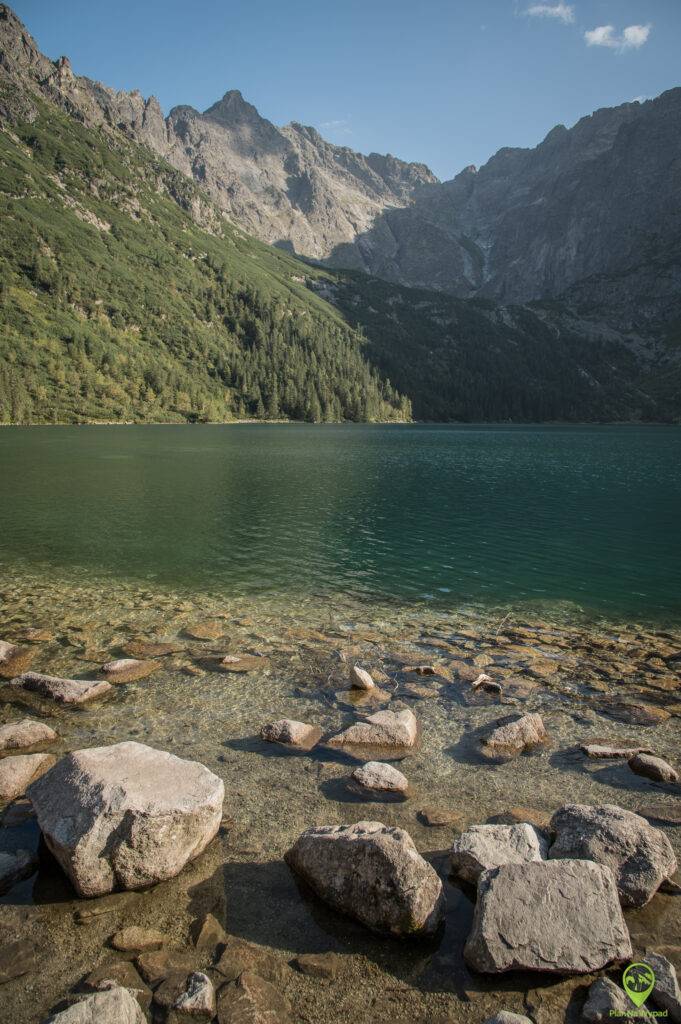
588, 515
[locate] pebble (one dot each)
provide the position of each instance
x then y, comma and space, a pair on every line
25, 734
19, 771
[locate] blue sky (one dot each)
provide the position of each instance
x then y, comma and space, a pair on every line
447, 82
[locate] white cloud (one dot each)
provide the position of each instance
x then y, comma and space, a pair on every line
560, 11
632, 38
338, 127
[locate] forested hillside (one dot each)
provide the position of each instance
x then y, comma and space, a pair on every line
116, 306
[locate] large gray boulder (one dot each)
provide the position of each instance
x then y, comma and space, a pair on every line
666, 995
482, 847
558, 916
371, 872
640, 856
384, 729
112, 1006
25, 734
126, 816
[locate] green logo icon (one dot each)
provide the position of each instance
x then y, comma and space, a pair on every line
638, 981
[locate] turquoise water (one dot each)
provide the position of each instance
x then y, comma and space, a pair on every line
588, 515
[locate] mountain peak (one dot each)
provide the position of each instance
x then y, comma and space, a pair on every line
232, 109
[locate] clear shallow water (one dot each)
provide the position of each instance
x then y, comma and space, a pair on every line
501, 515
534, 555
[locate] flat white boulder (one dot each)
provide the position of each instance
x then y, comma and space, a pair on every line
64, 691
18, 772
371, 872
24, 734
482, 847
640, 856
291, 733
379, 777
558, 916
113, 1006
126, 816
383, 729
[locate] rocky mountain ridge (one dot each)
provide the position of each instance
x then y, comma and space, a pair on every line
591, 215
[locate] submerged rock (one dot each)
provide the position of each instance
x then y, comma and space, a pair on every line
640, 856
605, 1000
524, 733
24, 734
143, 649
506, 1017
240, 956
653, 768
318, 965
575, 928
64, 691
113, 1006
126, 670
252, 1000
15, 867
209, 934
241, 663
379, 777
440, 817
360, 679
19, 771
135, 939
14, 659
126, 816
383, 729
482, 847
198, 999
371, 872
118, 972
211, 629
292, 733
612, 750
16, 959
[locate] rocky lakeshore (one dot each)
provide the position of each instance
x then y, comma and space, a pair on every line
326, 811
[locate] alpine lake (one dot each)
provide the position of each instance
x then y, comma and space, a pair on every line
547, 557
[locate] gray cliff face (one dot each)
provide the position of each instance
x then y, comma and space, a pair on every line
591, 215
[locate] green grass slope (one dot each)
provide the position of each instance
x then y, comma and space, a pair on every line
115, 305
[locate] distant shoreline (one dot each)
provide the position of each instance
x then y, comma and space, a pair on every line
355, 423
